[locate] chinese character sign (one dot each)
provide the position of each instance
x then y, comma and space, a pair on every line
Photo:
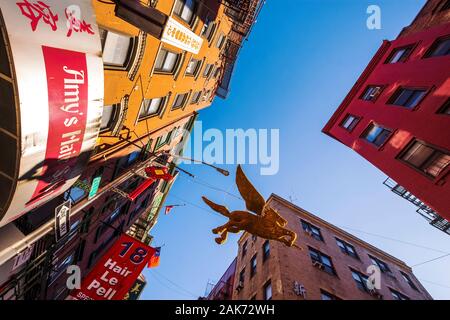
41, 12
181, 37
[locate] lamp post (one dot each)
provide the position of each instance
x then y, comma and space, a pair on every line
226, 173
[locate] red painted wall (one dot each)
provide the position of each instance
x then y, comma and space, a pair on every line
422, 123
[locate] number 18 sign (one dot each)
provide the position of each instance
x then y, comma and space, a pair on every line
116, 272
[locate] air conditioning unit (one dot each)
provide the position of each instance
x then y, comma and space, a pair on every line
318, 264
309, 233
240, 286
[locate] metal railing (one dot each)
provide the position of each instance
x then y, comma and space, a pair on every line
243, 14
423, 209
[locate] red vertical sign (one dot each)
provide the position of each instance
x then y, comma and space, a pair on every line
116, 272
67, 82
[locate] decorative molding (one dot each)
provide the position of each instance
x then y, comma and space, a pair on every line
139, 56
123, 109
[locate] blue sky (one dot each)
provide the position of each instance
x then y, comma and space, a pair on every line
301, 60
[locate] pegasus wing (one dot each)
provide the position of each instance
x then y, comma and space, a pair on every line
254, 201
217, 207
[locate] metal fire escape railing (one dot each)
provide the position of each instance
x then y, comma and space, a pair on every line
422, 208
242, 15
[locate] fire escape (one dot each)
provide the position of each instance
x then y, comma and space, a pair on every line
242, 15
423, 209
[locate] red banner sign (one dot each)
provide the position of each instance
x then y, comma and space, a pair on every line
67, 82
116, 272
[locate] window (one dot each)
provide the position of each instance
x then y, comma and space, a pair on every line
327, 296
426, 158
380, 264
221, 41
179, 101
321, 260
151, 107
312, 230
163, 140
347, 248
408, 98
217, 72
445, 109
409, 281
133, 157
208, 29
400, 54
242, 277
185, 10
397, 295
440, 48
361, 280
117, 48
376, 134
76, 194
4, 59
103, 227
349, 123
166, 62
196, 97
266, 250
446, 6
244, 249
108, 117
193, 67
253, 264
371, 93
61, 267
208, 70
79, 253
268, 291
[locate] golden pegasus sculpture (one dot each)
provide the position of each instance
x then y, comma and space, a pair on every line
265, 223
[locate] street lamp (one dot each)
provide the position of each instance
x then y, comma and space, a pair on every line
226, 173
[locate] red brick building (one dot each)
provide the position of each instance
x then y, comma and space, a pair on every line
223, 290
332, 265
397, 115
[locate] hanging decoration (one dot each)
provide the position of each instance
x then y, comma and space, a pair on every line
265, 222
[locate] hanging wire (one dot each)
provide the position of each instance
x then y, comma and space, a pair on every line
195, 205
169, 288
396, 240
431, 260
175, 284
210, 186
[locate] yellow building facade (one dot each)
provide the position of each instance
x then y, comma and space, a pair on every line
150, 84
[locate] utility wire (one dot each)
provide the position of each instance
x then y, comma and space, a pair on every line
176, 285
436, 284
169, 288
428, 261
195, 205
210, 186
396, 240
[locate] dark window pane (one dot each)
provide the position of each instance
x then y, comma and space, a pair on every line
440, 48
426, 158
4, 61
399, 55
376, 135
